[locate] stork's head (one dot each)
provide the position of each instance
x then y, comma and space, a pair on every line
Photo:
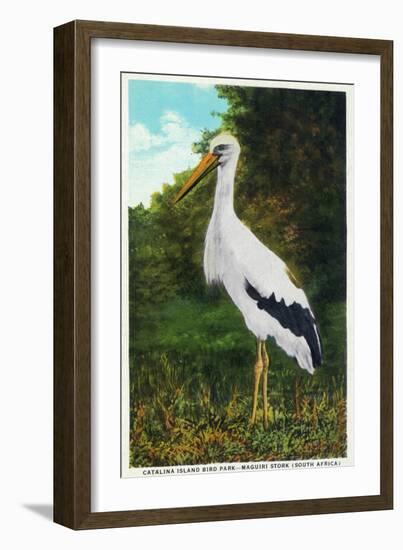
223, 149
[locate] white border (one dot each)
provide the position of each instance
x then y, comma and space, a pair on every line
109, 490
126, 470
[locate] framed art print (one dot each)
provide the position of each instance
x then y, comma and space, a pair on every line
223, 274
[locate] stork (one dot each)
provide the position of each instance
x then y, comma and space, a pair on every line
256, 279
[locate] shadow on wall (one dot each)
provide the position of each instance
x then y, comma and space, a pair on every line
44, 510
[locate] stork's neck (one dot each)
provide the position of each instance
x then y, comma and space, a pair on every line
224, 193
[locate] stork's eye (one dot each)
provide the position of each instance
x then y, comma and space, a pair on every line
220, 149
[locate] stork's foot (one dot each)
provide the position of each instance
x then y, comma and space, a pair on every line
252, 421
261, 367
258, 369
266, 362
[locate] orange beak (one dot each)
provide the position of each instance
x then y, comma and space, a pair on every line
208, 163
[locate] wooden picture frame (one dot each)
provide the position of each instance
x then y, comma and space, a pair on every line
72, 272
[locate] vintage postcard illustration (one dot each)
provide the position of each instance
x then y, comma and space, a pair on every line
236, 338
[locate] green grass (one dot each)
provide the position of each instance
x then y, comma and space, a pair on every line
191, 381
181, 420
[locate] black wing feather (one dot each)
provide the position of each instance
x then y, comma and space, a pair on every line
299, 320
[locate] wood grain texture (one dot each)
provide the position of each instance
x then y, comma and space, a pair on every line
386, 358
72, 296
221, 37
72, 274
64, 382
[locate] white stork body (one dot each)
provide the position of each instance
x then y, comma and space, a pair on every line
256, 279
234, 256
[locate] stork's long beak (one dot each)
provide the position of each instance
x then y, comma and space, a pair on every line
208, 163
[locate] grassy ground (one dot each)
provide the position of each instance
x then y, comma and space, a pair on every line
191, 382
176, 426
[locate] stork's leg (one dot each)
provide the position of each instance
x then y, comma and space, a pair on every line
266, 363
257, 372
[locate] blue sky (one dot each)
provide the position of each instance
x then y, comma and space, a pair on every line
165, 118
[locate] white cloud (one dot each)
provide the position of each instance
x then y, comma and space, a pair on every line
203, 85
172, 116
174, 129
154, 158
141, 139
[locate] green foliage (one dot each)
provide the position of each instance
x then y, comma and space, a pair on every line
190, 352
292, 170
